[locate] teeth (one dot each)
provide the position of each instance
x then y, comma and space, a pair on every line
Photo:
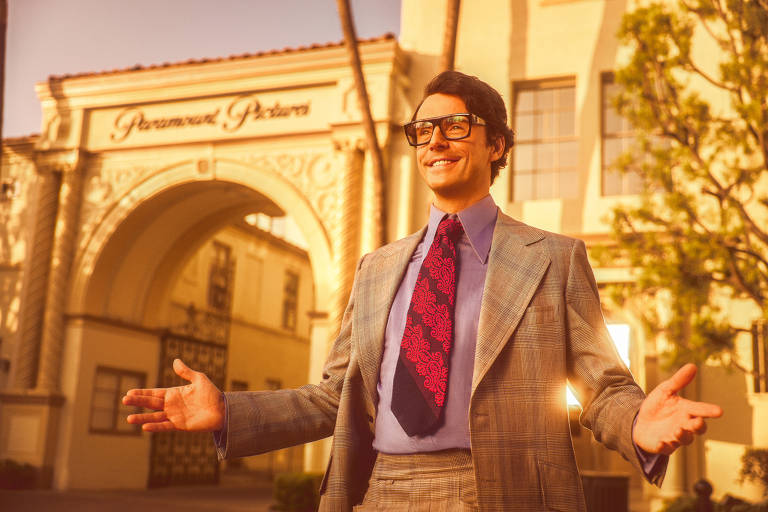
437, 163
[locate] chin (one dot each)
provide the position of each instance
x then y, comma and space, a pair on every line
450, 189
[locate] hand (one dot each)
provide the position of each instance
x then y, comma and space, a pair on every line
196, 407
666, 420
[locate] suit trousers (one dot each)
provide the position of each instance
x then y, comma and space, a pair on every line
440, 481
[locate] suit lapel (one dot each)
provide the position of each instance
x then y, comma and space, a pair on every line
516, 266
380, 281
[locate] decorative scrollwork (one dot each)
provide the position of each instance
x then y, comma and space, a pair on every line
313, 174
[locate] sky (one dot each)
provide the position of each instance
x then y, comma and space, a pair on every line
56, 37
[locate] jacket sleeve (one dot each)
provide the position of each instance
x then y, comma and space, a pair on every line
261, 421
606, 389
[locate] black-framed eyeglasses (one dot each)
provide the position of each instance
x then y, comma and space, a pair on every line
452, 126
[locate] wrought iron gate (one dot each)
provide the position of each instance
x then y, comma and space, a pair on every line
182, 458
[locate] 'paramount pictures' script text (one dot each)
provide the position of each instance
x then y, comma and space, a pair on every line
241, 110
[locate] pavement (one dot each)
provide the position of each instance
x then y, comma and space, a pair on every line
232, 495
229, 497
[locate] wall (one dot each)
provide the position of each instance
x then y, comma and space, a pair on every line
93, 461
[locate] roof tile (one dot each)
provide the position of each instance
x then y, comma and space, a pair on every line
288, 49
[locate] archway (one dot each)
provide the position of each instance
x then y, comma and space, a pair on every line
123, 274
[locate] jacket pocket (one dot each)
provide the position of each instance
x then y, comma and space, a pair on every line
538, 315
560, 489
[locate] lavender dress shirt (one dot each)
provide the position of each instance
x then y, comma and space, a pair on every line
473, 247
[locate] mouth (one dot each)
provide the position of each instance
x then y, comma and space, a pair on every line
441, 162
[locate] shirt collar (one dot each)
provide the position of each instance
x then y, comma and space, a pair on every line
478, 221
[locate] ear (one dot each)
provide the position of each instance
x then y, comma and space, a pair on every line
497, 148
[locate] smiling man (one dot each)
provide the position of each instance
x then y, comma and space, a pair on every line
444, 389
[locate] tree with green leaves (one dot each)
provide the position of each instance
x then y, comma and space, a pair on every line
698, 236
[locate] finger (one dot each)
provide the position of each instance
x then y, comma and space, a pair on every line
158, 392
182, 370
702, 409
685, 437
150, 402
680, 379
696, 425
165, 426
147, 417
668, 448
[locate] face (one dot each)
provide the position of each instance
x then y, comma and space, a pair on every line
457, 171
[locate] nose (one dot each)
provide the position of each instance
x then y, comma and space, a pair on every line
437, 138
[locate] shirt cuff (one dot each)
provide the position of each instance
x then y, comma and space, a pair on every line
220, 436
654, 465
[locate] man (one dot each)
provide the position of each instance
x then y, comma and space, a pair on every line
444, 389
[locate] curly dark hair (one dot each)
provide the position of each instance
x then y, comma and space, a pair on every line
482, 100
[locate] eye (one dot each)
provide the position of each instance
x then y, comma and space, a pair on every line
455, 124
422, 129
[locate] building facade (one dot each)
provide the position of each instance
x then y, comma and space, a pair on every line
553, 62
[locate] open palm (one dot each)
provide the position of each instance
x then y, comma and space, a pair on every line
196, 407
666, 420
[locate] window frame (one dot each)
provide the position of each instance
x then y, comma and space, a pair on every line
760, 357
539, 85
220, 277
117, 404
607, 78
290, 300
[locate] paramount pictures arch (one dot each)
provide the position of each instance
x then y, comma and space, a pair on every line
135, 170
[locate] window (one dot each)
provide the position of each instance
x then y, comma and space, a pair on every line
546, 152
107, 412
220, 278
290, 300
617, 137
760, 356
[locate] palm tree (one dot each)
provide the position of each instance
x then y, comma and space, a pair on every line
449, 38
350, 38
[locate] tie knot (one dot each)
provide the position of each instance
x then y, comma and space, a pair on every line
450, 227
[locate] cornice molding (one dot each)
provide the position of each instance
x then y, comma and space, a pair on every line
60, 161
184, 81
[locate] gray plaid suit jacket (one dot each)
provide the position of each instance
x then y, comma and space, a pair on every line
540, 323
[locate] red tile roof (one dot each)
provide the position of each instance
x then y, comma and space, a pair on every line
20, 139
283, 51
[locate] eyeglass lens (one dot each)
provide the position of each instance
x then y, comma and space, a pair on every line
451, 127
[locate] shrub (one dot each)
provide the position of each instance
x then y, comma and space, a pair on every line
297, 492
754, 467
17, 476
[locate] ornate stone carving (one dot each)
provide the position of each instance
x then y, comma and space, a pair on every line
104, 185
314, 175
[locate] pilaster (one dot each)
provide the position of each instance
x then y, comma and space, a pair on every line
65, 235
346, 233
35, 280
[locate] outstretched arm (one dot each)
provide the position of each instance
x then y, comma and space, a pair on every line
666, 420
196, 407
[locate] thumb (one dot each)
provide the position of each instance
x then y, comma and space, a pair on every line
681, 378
182, 370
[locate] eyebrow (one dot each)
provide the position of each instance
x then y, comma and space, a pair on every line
440, 117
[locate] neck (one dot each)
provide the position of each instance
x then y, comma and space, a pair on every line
456, 204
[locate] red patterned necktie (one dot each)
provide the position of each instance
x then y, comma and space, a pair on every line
421, 375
